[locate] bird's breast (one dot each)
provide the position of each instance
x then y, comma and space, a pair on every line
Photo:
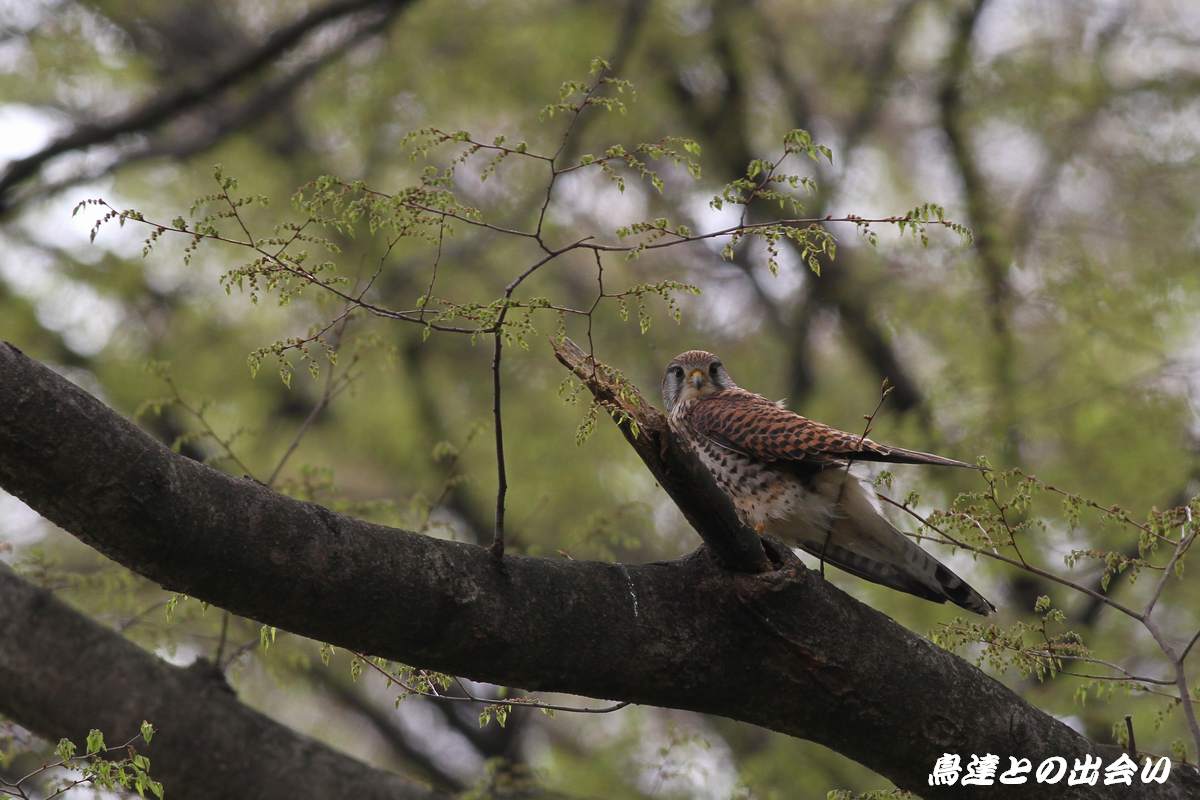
761, 493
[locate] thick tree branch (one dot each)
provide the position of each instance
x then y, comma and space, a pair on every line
159, 109
62, 674
782, 649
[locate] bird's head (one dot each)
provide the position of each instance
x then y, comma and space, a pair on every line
695, 373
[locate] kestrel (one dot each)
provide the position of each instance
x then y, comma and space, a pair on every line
788, 476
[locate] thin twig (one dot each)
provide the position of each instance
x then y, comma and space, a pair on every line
501, 475
884, 391
950, 540
468, 697
1185, 541
222, 638
1189, 647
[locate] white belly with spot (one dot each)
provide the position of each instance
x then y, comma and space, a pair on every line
767, 499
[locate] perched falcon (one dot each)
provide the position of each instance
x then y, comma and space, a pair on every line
788, 476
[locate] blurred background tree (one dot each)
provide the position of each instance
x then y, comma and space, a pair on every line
1061, 341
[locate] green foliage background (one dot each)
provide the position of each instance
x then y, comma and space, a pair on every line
1061, 341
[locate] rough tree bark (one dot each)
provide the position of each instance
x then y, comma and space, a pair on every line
783, 648
62, 674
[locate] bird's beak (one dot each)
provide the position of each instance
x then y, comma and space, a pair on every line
696, 377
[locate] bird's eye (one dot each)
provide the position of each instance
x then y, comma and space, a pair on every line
712, 369
677, 371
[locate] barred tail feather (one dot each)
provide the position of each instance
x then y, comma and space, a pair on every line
861, 541
899, 455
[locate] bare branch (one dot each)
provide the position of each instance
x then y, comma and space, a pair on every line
163, 107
